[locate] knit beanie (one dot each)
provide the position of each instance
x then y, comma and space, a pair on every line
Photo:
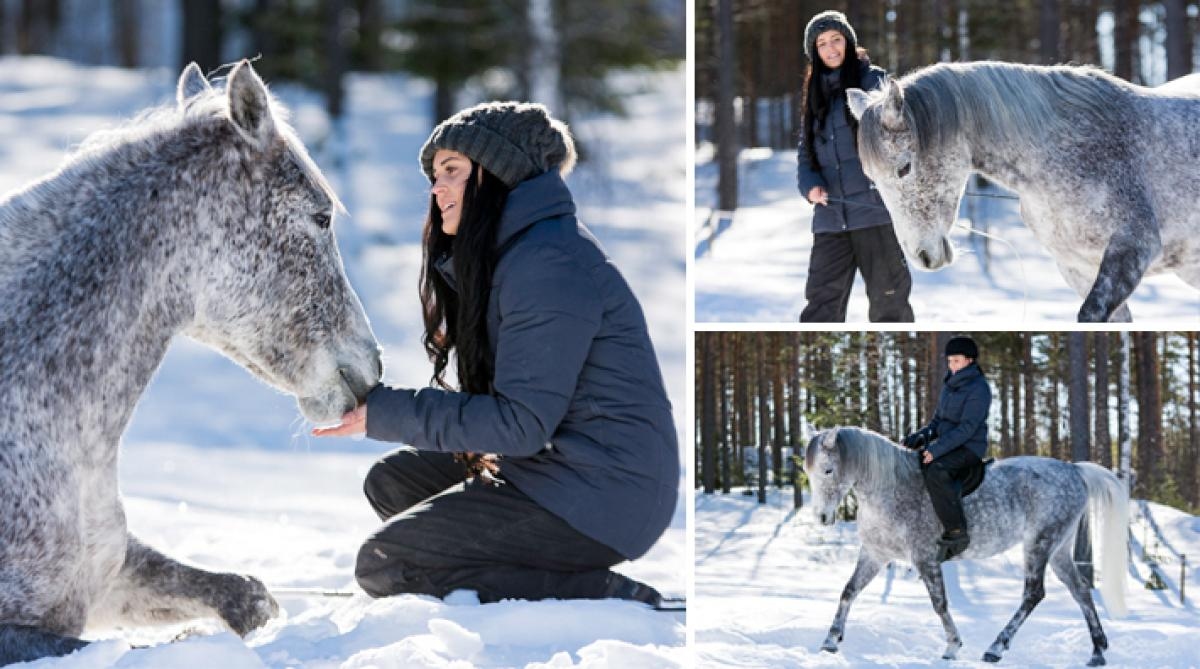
512, 140
962, 346
829, 20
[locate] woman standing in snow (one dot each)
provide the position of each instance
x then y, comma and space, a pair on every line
852, 230
557, 381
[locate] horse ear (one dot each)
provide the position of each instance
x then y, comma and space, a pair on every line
250, 104
858, 101
893, 108
829, 440
191, 84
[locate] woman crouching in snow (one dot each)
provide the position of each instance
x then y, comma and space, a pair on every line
557, 381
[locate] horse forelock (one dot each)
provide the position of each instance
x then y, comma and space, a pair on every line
994, 102
874, 460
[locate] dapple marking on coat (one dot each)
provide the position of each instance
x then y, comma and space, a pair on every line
1037, 502
206, 218
1105, 169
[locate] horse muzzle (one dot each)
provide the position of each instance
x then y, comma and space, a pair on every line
936, 256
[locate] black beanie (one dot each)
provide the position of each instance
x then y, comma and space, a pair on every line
513, 140
828, 20
962, 346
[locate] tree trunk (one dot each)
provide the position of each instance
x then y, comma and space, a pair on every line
1048, 32
1077, 397
1102, 448
723, 429
1080, 448
1125, 37
125, 32
1005, 426
1149, 399
202, 33
335, 57
777, 406
1179, 39
1191, 477
727, 144
764, 421
708, 418
1030, 445
1124, 438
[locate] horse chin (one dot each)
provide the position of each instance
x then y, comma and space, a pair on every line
329, 406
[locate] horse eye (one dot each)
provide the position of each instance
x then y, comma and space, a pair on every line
829, 471
903, 171
321, 219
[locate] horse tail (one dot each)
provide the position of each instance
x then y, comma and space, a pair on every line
1108, 499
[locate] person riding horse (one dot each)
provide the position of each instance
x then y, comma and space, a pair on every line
955, 442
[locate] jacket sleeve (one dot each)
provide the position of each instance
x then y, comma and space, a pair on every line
550, 310
806, 177
975, 411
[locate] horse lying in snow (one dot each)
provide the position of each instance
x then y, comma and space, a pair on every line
205, 218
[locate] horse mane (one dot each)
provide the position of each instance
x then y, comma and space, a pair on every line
134, 140
997, 103
876, 460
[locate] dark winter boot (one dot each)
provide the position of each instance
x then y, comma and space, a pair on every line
620, 586
952, 544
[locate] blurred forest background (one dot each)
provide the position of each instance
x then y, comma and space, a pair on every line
750, 53
554, 51
1067, 395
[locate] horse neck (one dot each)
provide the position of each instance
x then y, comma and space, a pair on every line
92, 304
878, 468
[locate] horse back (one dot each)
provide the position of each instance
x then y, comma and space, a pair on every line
1019, 498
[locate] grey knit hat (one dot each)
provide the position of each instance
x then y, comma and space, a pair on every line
513, 140
828, 20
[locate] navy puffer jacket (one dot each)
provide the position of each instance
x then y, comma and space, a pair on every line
962, 412
841, 172
579, 409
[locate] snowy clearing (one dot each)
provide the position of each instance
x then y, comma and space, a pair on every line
768, 580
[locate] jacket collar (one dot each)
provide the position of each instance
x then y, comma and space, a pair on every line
535, 199
964, 376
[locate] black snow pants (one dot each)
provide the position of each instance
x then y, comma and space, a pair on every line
443, 534
943, 480
837, 256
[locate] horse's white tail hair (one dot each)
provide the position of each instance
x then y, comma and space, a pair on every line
1108, 500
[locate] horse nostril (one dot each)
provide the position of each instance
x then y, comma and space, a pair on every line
924, 256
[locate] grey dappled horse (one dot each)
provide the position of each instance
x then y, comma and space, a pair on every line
1106, 170
206, 218
1037, 502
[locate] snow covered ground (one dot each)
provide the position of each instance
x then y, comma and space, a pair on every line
218, 470
755, 270
768, 580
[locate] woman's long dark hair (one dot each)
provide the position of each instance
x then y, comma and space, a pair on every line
456, 316
815, 104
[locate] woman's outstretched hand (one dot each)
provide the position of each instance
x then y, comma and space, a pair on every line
353, 423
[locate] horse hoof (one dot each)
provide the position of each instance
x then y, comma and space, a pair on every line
829, 646
991, 657
1097, 661
245, 604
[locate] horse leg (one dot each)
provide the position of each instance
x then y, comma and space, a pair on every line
1128, 255
1082, 284
154, 589
864, 571
931, 575
1036, 556
1064, 567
